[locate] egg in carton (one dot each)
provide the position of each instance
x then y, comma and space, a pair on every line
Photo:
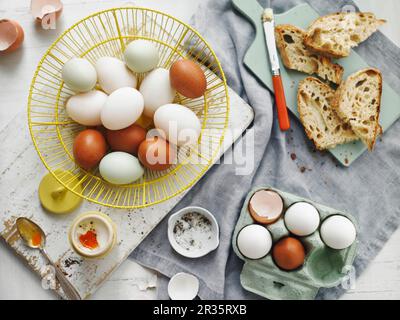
324, 263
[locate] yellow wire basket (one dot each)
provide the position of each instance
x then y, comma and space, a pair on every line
107, 33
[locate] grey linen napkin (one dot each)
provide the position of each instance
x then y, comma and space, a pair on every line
369, 189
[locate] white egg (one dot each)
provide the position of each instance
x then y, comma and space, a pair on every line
338, 232
302, 219
141, 56
79, 75
122, 108
156, 90
85, 108
180, 125
254, 241
120, 168
113, 74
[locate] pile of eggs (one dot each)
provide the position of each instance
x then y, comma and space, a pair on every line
301, 219
110, 103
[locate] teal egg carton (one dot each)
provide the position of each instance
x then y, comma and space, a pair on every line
323, 267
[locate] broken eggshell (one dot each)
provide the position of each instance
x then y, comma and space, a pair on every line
212, 242
40, 9
183, 286
11, 35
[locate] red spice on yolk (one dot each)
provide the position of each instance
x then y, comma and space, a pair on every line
89, 239
36, 239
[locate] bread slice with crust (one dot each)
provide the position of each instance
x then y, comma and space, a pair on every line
358, 102
296, 56
334, 35
320, 121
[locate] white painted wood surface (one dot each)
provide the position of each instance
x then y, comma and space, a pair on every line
380, 281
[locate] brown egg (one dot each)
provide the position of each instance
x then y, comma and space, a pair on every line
188, 79
11, 35
89, 148
126, 140
288, 253
156, 154
145, 122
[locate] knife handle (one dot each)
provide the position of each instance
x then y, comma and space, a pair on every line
280, 100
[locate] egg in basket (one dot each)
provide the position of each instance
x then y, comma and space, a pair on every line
128, 108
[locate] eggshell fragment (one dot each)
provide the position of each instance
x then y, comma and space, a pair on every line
289, 253
11, 35
43, 8
122, 108
141, 55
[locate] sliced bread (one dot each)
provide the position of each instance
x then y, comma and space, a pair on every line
334, 35
321, 123
358, 101
296, 56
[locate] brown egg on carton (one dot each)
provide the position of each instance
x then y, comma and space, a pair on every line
284, 264
126, 116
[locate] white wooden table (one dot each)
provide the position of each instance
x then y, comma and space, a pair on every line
380, 281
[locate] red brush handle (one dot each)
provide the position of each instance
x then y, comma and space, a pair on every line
283, 116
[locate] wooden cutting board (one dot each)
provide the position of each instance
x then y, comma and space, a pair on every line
256, 59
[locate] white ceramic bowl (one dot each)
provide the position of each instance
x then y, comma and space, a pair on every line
207, 246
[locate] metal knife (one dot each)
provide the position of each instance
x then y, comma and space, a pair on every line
269, 32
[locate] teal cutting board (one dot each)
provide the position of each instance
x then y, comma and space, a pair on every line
256, 59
